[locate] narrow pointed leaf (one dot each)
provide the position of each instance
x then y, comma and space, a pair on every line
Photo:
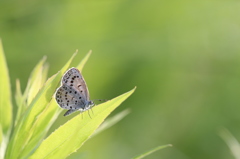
34, 76
19, 98
18, 94
5, 104
83, 61
152, 151
232, 143
44, 73
26, 127
5, 95
112, 121
36, 81
71, 136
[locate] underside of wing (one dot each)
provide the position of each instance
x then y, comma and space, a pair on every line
70, 111
73, 78
69, 98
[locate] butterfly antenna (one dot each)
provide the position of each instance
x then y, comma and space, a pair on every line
101, 100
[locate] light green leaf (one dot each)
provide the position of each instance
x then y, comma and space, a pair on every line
18, 94
36, 80
19, 101
152, 151
5, 103
232, 143
83, 61
28, 125
111, 121
71, 136
44, 73
5, 94
48, 115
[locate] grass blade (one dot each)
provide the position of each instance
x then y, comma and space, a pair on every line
71, 136
83, 61
5, 102
35, 81
152, 151
232, 143
111, 121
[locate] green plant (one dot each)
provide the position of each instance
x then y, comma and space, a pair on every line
37, 110
231, 142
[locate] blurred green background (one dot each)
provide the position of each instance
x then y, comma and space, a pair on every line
183, 56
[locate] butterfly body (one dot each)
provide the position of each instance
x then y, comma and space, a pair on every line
73, 93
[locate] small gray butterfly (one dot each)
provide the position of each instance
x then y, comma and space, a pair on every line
73, 93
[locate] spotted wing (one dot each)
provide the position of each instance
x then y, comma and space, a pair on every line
74, 78
69, 98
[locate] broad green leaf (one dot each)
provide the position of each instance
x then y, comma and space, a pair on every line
152, 151
83, 61
25, 129
111, 121
5, 103
232, 143
71, 136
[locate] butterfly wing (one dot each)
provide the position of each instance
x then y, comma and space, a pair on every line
74, 79
69, 98
70, 111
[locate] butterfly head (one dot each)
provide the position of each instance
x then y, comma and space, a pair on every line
89, 105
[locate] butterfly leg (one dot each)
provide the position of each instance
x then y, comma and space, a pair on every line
89, 114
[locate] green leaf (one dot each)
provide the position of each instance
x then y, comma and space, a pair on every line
5, 94
83, 61
5, 103
35, 80
71, 136
29, 124
232, 143
111, 121
48, 115
19, 101
152, 151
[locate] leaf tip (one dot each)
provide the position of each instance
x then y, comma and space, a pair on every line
75, 53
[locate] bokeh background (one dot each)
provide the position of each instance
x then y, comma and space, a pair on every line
183, 56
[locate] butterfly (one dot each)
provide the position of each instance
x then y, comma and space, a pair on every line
73, 93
